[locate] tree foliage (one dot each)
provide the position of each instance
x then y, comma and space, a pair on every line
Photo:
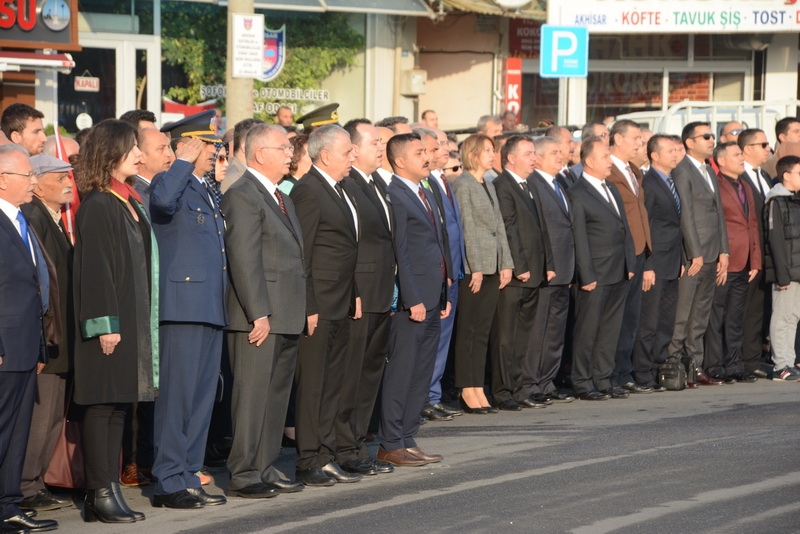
194, 38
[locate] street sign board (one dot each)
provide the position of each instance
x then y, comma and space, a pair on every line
564, 52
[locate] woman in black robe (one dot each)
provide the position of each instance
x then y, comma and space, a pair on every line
116, 306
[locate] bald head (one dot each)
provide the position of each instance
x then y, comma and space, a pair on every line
156, 152
71, 146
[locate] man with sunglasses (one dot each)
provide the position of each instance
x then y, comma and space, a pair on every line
755, 149
705, 241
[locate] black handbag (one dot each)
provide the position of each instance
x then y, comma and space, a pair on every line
672, 375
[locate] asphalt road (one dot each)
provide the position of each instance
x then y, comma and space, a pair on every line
722, 459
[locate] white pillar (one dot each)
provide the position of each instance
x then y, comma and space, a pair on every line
781, 75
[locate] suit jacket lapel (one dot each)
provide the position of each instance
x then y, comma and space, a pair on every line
552, 192
272, 203
336, 199
594, 192
61, 237
415, 200
202, 191
371, 194
8, 226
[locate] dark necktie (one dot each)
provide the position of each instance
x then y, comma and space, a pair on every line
448, 191
427, 206
742, 196
526, 189
560, 194
671, 185
378, 194
340, 192
608, 197
282, 205
23, 230
209, 192
759, 182
633, 180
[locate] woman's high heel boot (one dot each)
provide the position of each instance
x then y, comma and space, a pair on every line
101, 505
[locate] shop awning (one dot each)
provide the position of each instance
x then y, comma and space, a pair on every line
19, 61
535, 10
409, 8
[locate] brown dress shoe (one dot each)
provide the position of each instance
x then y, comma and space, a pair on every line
706, 380
400, 458
419, 453
133, 476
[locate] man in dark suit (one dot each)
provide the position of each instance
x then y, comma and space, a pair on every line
604, 258
547, 338
189, 228
590, 129
755, 149
422, 303
368, 346
24, 291
157, 157
625, 139
723, 341
529, 243
329, 220
658, 302
705, 244
53, 190
266, 304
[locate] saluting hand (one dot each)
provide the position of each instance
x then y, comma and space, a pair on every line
190, 150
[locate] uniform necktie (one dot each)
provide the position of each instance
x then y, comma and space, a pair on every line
209, 192
634, 183
608, 196
23, 230
560, 194
671, 185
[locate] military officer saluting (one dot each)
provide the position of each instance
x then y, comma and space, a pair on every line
193, 278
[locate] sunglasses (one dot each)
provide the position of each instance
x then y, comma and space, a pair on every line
762, 145
705, 136
221, 158
454, 168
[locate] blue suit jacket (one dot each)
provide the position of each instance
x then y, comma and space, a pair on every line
418, 245
22, 306
191, 244
455, 233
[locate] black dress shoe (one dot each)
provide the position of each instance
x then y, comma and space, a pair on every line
541, 397
8, 529
41, 501
285, 486
441, 408
469, 410
616, 393
207, 500
593, 396
382, 466
259, 490
30, 512
532, 403
333, 470
179, 500
490, 409
23, 522
555, 396
360, 467
759, 373
747, 378
633, 387
509, 405
432, 414
657, 388
314, 477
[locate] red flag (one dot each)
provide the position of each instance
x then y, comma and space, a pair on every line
68, 210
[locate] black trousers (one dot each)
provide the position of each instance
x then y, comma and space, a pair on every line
546, 341
623, 359
758, 311
320, 373
137, 437
511, 330
655, 329
367, 350
725, 333
476, 312
597, 325
101, 434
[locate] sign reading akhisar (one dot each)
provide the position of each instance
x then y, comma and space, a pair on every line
39, 24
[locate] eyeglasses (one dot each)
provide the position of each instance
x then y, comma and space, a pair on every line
454, 168
27, 175
705, 136
289, 149
762, 145
737, 131
222, 157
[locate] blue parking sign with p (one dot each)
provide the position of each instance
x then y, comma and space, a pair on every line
564, 52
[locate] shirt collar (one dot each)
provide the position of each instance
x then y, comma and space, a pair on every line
263, 180
331, 181
515, 176
9, 209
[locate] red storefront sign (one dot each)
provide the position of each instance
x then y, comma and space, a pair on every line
513, 76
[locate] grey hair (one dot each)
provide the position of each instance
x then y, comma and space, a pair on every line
484, 120
323, 138
255, 134
425, 131
5, 151
540, 144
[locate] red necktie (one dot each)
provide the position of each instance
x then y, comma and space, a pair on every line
282, 204
433, 221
